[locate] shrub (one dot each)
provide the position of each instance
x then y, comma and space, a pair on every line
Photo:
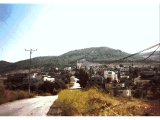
46, 87
23, 94
52, 88
2, 94
9, 95
45, 94
60, 84
16, 95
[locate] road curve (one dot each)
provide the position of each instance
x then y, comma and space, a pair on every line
75, 86
38, 106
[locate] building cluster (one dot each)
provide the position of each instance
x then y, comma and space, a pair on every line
122, 79
21, 80
117, 79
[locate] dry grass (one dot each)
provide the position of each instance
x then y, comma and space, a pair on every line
94, 102
2, 94
9, 95
45, 94
16, 95
76, 102
128, 107
154, 109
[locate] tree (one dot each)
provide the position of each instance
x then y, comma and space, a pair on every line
47, 86
121, 65
83, 77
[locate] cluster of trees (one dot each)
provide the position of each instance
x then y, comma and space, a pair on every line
150, 90
50, 87
83, 77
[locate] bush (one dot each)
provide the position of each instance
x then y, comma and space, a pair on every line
9, 95
2, 94
23, 94
45, 94
52, 88
46, 87
60, 84
16, 95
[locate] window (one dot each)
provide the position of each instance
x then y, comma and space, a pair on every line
109, 72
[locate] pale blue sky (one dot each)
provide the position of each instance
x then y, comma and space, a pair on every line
56, 29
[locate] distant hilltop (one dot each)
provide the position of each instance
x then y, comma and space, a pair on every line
93, 54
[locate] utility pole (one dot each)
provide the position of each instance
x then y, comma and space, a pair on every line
159, 39
90, 72
1, 53
30, 51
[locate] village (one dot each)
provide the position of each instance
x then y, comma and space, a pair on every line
125, 79
80, 58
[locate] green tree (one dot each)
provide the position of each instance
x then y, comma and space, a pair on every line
83, 77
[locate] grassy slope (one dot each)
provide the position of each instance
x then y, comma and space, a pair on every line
93, 102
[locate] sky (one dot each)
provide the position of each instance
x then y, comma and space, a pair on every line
54, 29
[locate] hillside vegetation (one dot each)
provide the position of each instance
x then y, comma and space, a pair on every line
7, 95
10, 95
93, 54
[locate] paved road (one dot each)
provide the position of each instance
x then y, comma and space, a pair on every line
76, 86
38, 106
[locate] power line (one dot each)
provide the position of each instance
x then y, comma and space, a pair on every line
30, 51
138, 52
159, 35
150, 54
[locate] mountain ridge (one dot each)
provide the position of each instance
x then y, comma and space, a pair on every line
92, 54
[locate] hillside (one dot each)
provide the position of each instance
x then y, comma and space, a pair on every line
93, 54
155, 56
4, 64
96, 54
37, 62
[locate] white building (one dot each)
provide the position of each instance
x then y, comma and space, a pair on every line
68, 68
73, 79
48, 78
111, 75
